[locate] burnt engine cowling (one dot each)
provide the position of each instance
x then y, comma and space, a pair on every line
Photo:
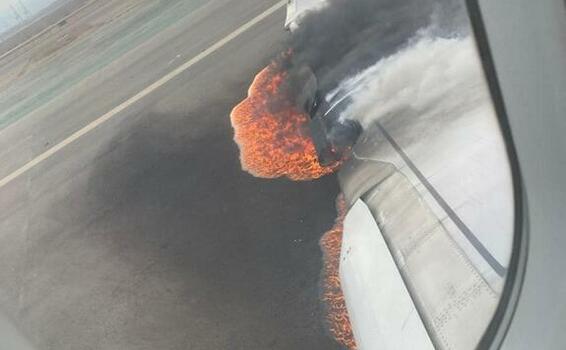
333, 138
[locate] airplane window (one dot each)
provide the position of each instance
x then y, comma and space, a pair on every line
244, 174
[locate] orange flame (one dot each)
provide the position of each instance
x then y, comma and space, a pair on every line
337, 317
272, 133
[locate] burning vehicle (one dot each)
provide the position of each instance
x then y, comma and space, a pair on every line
406, 265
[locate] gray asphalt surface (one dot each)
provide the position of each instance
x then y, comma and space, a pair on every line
145, 233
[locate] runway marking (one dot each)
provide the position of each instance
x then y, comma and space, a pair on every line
148, 90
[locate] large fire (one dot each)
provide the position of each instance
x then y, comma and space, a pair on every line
272, 133
273, 137
337, 317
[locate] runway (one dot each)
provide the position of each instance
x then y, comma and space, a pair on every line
143, 232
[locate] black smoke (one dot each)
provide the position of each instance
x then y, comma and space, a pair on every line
349, 35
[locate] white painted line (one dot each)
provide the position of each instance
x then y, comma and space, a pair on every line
148, 90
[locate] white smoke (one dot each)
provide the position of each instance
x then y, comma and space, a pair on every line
432, 75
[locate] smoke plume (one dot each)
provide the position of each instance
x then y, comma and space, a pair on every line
431, 77
347, 36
